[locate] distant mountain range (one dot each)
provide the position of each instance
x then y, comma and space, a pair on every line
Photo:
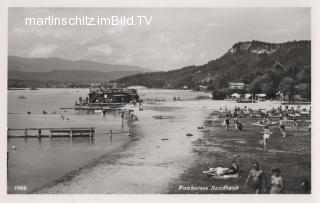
61, 70
16, 63
261, 66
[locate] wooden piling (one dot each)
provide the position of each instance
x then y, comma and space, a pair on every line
71, 132
91, 132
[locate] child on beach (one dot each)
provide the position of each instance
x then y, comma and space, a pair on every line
276, 182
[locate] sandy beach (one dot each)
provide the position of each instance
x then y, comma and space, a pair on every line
218, 148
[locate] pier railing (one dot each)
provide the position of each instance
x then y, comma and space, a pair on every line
52, 132
60, 132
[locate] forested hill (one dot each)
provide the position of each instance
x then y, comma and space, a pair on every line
263, 67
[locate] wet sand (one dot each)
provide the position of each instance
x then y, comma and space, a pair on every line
158, 154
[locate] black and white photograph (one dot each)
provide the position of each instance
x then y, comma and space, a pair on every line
159, 100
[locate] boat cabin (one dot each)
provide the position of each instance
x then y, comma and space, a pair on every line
113, 95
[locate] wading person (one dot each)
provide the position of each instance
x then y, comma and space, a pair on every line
276, 182
256, 176
282, 127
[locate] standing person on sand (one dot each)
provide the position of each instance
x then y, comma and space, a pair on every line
122, 116
257, 176
266, 136
282, 127
227, 122
236, 122
295, 121
276, 182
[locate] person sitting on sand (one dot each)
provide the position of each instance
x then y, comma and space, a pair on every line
266, 136
234, 169
282, 127
276, 182
257, 176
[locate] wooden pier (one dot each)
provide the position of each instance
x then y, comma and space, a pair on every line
51, 132
103, 109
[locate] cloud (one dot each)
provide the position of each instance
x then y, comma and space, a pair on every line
43, 50
103, 49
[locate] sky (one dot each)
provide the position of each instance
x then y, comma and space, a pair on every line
176, 37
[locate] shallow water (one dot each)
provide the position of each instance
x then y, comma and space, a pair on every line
33, 162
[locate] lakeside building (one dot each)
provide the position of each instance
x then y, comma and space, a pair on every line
113, 95
101, 96
236, 85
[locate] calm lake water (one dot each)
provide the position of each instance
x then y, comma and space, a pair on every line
33, 162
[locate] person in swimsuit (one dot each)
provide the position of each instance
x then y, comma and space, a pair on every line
282, 127
122, 116
266, 136
295, 122
234, 169
257, 176
276, 182
236, 122
227, 122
